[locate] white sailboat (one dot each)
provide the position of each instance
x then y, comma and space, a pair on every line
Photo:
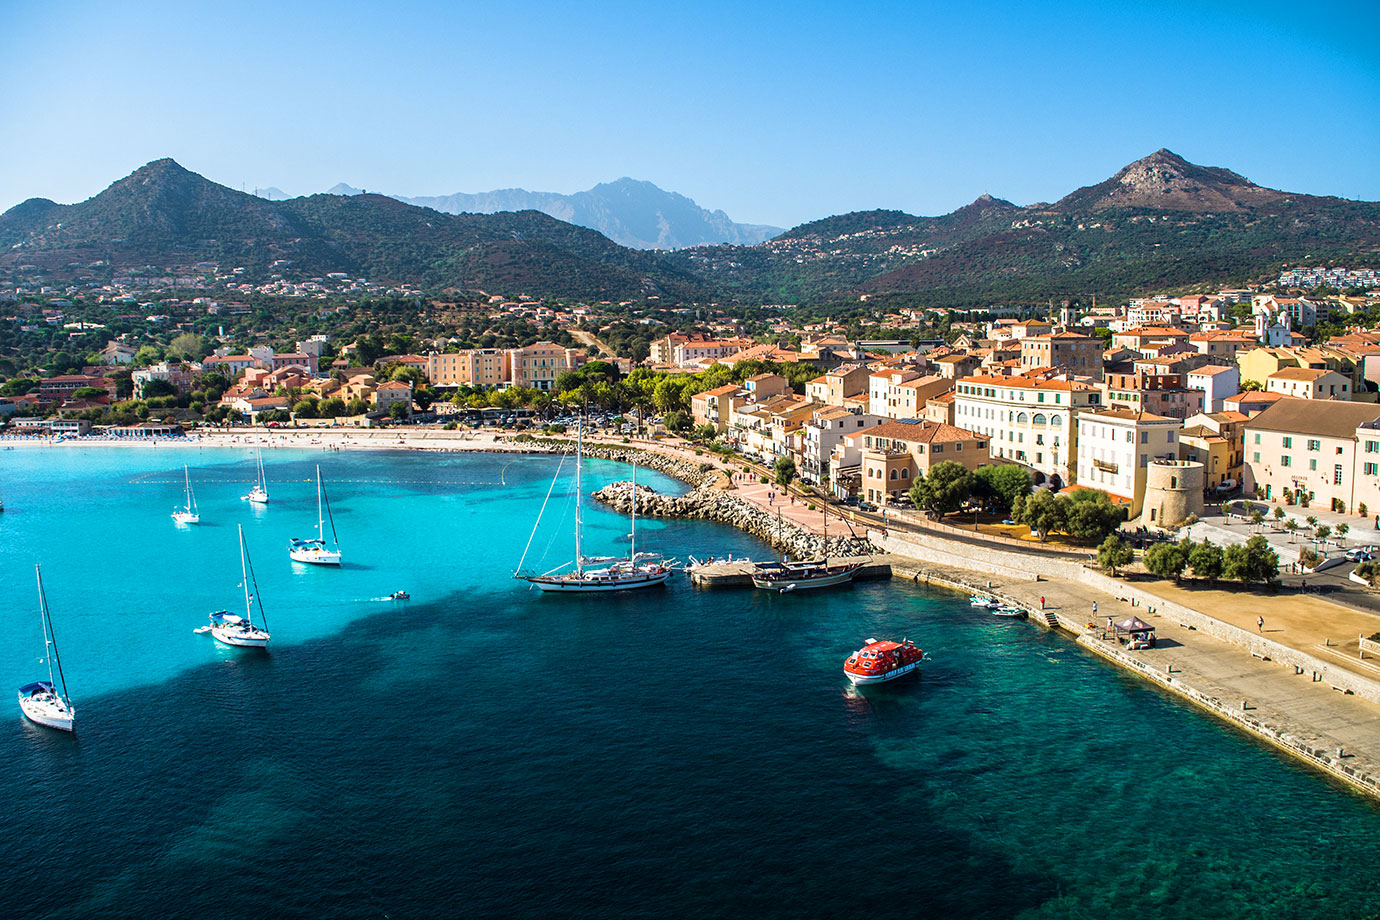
188, 513
597, 574
314, 552
259, 494
41, 701
240, 631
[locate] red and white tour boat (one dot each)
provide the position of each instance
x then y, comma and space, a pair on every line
877, 662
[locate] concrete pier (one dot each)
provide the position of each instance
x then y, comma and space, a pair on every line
738, 574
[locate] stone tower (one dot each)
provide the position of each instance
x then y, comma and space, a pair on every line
1173, 491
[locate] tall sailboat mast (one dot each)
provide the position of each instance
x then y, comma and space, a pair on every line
320, 520
579, 523
632, 555
244, 578
43, 616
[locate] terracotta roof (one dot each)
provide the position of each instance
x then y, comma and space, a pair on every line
1333, 419
1031, 383
1210, 370
720, 391
1299, 373
920, 432
1127, 415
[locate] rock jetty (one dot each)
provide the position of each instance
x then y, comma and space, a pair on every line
700, 475
710, 504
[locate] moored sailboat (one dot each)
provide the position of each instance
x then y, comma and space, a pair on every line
314, 551
240, 631
45, 702
259, 493
785, 576
188, 513
597, 574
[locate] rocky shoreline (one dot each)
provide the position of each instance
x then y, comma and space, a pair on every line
709, 504
700, 475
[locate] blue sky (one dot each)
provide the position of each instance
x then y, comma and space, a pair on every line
775, 112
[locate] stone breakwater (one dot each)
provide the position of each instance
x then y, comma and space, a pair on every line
709, 504
700, 475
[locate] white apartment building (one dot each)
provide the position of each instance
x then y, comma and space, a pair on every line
1028, 420
823, 433
1116, 445
901, 393
1308, 383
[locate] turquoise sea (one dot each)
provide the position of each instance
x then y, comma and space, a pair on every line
484, 750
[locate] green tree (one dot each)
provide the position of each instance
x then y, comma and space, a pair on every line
1001, 485
785, 472
305, 408
1257, 518
1343, 530
1091, 515
1279, 513
948, 485
1046, 512
1206, 560
156, 388
1167, 560
677, 421
1251, 561
1322, 533
397, 410
334, 407
188, 346
1114, 553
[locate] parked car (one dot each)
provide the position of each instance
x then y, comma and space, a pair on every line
1359, 555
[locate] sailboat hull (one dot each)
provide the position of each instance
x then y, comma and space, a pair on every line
184, 517
314, 557
596, 584
804, 577
239, 639
45, 713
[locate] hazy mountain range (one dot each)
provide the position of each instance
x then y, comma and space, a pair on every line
630, 212
1159, 223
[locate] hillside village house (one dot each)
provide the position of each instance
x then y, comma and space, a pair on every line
1214, 439
1066, 351
1029, 420
901, 393
1115, 446
845, 385
1158, 394
715, 407
893, 455
1326, 450
537, 366
821, 436
1308, 383
394, 392
1217, 382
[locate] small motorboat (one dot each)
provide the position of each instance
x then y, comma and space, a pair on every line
400, 596
877, 662
1006, 610
979, 600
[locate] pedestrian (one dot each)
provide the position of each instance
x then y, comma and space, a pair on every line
1094, 608
1260, 624
1042, 602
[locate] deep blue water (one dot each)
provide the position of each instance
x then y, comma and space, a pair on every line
484, 750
